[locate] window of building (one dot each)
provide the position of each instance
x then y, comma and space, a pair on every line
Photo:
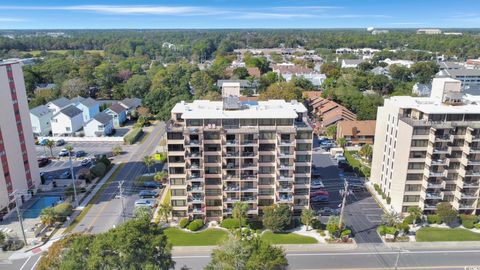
214, 213
174, 136
411, 198
266, 158
284, 122
265, 135
303, 158
178, 192
176, 213
177, 181
421, 131
266, 170
213, 181
248, 122
266, 122
304, 135
265, 191
419, 143
194, 122
265, 181
213, 192
211, 135
418, 154
413, 187
179, 202
266, 147
414, 176
302, 169
301, 191
212, 170
210, 202
304, 146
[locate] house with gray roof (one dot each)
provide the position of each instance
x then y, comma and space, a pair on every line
118, 113
58, 104
468, 77
90, 107
99, 126
41, 117
351, 63
67, 121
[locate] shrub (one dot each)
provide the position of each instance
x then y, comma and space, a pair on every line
322, 233
105, 161
345, 233
390, 230
98, 170
63, 210
184, 222
255, 224
472, 218
384, 196
469, 224
477, 226
434, 219
408, 220
404, 227
13, 245
389, 200
195, 225
376, 187
230, 223
133, 135
381, 229
316, 224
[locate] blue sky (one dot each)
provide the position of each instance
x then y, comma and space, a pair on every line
74, 14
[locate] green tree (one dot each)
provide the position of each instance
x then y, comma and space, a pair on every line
423, 72
137, 86
116, 150
277, 217
331, 70
3, 238
133, 245
239, 212
333, 226
259, 62
400, 73
202, 83
164, 210
366, 151
268, 79
415, 212
391, 219
331, 131
106, 77
247, 253
74, 87
143, 212
447, 214
240, 73
307, 217
282, 90
48, 216
341, 142
50, 144
148, 161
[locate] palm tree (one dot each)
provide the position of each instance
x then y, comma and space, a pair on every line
366, 151
341, 142
391, 219
160, 176
48, 216
240, 210
148, 161
307, 216
164, 210
143, 212
415, 212
50, 144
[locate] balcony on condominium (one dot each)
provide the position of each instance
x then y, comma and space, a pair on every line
249, 199
249, 176
285, 188
230, 153
231, 188
195, 188
196, 210
231, 199
285, 197
249, 188
196, 199
435, 184
442, 150
231, 165
285, 177
440, 162
434, 195
472, 173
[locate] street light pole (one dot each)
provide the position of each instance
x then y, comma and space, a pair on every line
20, 219
120, 187
344, 201
398, 258
73, 177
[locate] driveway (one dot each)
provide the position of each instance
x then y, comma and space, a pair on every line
362, 214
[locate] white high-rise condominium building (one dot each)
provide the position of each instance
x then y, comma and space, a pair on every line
427, 150
18, 166
220, 153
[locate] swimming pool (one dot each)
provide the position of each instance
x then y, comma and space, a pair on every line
34, 210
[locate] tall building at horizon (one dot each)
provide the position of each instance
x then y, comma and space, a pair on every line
220, 153
427, 149
18, 169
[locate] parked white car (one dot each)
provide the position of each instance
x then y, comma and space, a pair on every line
317, 183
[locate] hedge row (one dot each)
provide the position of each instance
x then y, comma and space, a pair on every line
194, 225
133, 135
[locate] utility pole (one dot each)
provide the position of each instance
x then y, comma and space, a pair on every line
20, 219
398, 258
120, 188
73, 178
344, 201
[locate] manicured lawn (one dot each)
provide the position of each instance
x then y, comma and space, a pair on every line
209, 237
356, 164
430, 234
287, 238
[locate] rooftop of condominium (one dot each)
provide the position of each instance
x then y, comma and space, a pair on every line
271, 109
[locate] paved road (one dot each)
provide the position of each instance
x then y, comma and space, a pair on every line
107, 211
371, 257
362, 214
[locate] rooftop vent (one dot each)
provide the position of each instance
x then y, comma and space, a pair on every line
231, 103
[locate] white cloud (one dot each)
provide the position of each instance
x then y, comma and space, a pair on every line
6, 19
268, 15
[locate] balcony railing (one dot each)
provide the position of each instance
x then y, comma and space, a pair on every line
441, 150
434, 196
249, 189
436, 185
444, 138
196, 210
286, 142
464, 195
285, 198
440, 162
231, 154
232, 199
438, 174
232, 188
193, 143
466, 206
230, 166
249, 199
231, 142
284, 189
196, 199
195, 188
193, 154
471, 184
249, 177
248, 154
249, 142
472, 173
285, 154
285, 178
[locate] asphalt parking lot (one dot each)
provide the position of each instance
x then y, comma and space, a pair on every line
362, 214
90, 148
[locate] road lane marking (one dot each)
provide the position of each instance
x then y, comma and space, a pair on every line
36, 262
25, 263
142, 152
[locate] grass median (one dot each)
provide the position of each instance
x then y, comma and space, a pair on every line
431, 234
94, 199
209, 237
287, 238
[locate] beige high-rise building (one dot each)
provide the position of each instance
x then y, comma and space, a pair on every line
223, 152
18, 167
427, 150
